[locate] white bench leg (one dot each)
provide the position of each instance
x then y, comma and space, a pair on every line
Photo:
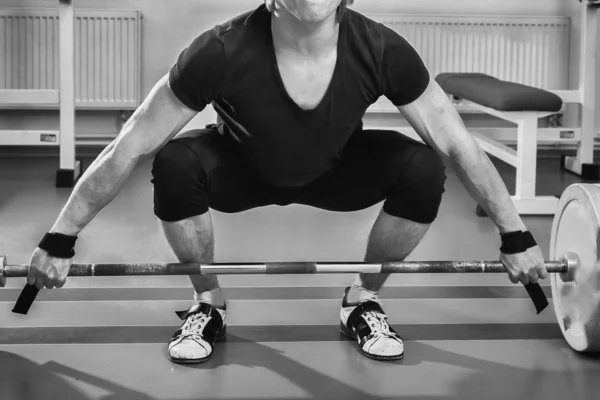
583, 163
70, 169
526, 158
525, 200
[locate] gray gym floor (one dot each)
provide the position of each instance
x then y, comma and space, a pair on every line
467, 337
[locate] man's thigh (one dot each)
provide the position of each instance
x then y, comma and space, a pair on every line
200, 170
381, 165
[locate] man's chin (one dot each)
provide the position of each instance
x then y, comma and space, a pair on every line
312, 18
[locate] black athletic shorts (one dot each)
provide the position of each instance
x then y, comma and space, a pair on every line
202, 170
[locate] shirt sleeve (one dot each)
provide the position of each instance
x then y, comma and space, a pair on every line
197, 76
404, 75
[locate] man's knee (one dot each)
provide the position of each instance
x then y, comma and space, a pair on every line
175, 163
417, 195
428, 169
177, 175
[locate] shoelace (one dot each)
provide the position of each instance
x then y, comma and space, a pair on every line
194, 324
378, 324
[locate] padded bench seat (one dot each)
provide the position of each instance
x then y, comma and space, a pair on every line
497, 94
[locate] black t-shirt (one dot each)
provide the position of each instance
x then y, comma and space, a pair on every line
233, 66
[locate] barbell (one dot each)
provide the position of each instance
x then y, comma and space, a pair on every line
574, 267
279, 268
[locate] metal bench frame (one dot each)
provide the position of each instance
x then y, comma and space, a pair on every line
524, 158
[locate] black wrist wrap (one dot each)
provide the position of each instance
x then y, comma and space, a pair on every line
517, 242
58, 245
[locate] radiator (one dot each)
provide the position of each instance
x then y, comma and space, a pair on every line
529, 50
107, 55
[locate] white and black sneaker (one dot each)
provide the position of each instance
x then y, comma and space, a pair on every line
194, 342
367, 323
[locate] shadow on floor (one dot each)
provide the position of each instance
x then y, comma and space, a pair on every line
320, 386
26, 380
31, 381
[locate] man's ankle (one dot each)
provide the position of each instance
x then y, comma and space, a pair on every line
214, 297
358, 294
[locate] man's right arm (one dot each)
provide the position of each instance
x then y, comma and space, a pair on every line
160, 117
192, 84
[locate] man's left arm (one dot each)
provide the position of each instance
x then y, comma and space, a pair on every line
437, 122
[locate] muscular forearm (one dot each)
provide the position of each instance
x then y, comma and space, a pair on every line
484, 184
153, 124
97, 187
438, 123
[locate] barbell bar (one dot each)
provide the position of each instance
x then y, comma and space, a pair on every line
143, 269
406, 267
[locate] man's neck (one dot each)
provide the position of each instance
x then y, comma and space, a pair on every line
308, 39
